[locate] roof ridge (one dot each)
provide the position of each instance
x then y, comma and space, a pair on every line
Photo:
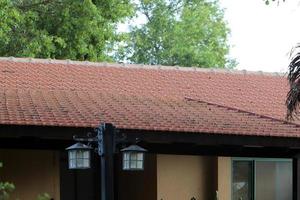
141, 66
240, 110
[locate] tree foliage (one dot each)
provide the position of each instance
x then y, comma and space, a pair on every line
5, 188
73, 29
44, 196
179, 32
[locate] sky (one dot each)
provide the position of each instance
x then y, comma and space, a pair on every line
262, 36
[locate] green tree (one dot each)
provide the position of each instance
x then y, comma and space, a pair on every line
179, 32
73, 29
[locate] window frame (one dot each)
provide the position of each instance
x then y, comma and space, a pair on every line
254, 160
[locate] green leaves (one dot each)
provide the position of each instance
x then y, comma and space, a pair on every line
178, 32
182, 32
5, 189
69, 29
44, 196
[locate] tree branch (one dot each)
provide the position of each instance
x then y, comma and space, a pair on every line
145, 12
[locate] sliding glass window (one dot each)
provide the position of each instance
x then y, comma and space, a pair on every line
262, 179
242, 180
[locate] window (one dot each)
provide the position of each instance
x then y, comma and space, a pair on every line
242, 185
262, 179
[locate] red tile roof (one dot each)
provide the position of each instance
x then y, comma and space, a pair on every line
83, 94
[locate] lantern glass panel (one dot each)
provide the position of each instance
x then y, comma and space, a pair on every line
126, 164
133, 160
126, 160
140, 165
72, 159
140, 156
126, 156
133, 156
79, 159
133, 164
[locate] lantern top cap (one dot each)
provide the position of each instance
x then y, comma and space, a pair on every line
135, 148
79, 145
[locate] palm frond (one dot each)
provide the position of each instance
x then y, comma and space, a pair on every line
292, 101
293, 96
294, 69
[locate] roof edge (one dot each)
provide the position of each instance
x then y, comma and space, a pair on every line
138, 66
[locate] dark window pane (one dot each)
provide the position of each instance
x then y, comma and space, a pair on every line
242, 180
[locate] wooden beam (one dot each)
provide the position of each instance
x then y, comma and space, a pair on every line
211, 139
34, 143
47, 137
42, 132
222, 150
66, 133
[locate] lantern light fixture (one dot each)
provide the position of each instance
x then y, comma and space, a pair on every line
105, 139
133, 158
79, 156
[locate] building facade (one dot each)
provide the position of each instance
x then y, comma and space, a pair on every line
210, 134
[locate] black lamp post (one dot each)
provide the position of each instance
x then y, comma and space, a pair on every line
79, 156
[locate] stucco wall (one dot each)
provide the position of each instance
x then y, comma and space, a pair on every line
224, 178
32, 171
184, 177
